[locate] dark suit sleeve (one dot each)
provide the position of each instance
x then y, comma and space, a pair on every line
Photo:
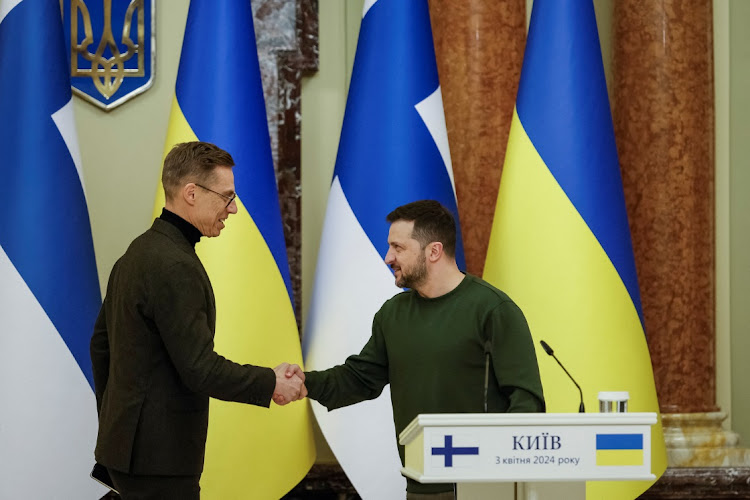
99, 350
514, 359
181, 317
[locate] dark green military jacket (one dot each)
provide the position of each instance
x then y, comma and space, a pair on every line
154, 362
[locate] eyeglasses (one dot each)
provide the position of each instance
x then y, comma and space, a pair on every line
230, 198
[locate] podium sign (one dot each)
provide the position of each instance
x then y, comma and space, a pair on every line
528, 447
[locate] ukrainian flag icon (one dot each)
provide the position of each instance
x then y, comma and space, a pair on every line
619, 449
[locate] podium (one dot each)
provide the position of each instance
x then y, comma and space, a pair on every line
521, 455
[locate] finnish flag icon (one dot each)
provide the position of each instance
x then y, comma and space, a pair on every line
455, 450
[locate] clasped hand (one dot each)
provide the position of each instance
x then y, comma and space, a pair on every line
290, 384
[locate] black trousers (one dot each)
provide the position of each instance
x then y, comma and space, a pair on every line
135, 487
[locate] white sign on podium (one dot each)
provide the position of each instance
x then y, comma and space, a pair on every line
528, 447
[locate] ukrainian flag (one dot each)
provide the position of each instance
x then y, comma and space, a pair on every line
619, 449
252, 452
560, 244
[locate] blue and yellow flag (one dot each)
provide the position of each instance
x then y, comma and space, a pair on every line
619, 449
560, 244
251, 452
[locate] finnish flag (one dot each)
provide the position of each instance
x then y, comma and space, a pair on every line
49, 291
393, 150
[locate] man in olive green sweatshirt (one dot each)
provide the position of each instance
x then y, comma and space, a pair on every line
452, 343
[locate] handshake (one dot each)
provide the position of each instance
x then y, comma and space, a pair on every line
290, 384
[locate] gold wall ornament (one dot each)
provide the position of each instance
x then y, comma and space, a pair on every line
104, 70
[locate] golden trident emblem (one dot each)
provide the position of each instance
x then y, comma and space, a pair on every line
106, 73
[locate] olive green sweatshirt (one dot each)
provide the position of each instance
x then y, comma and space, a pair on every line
433, 352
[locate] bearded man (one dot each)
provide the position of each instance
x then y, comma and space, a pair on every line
452, 343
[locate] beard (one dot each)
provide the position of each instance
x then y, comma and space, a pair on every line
412, 278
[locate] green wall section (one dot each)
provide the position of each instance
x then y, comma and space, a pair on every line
323, 102
739, 219
121, 150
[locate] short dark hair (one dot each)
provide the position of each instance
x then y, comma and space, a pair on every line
191, 162
432, 222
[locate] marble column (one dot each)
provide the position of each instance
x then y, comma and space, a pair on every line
663, 115
479, 49
287, 38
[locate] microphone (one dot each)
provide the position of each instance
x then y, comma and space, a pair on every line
549, 351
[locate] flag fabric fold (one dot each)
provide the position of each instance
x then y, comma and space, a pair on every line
251, 452
560, 243
49, 289
393, 150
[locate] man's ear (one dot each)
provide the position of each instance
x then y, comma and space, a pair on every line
434, 251
188, 193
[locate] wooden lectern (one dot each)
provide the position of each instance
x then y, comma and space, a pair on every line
524, 455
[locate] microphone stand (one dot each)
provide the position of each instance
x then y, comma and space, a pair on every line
549, 351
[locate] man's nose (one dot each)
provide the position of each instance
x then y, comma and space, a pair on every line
232, 207
389, 257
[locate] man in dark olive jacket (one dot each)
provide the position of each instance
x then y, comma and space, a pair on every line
153, 344
453, 343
